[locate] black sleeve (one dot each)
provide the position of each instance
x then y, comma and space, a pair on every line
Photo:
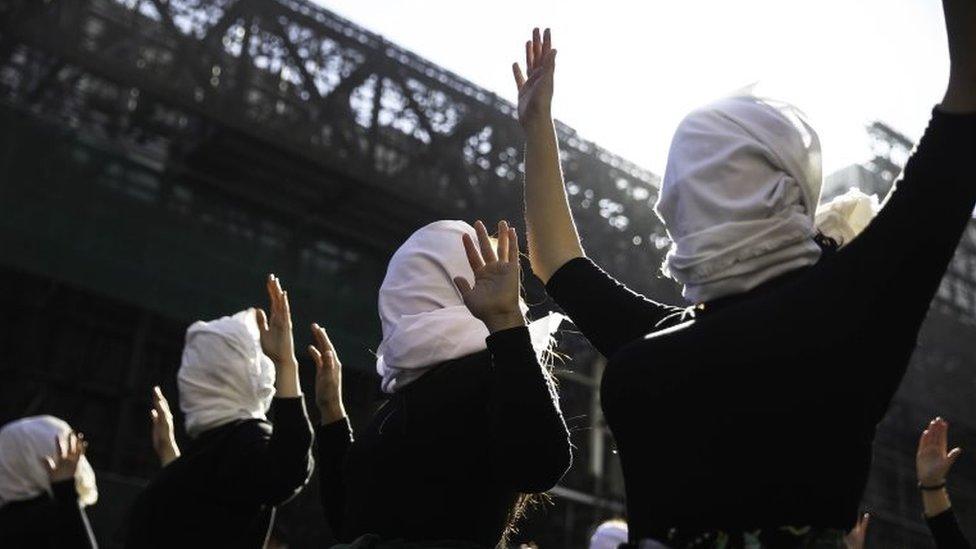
530, 442
71, 528
332, 442
900, 258
274, 467
946, 531
608, 313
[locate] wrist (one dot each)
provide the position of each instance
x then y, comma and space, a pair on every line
935, 502
331, 412
541, 121
504, 321
288, 362
168, 455
286, 379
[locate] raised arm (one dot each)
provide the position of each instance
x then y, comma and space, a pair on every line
279, 466
552, 236
163, 439
960, 18
932, 464
333, 433
529, 441
586, 293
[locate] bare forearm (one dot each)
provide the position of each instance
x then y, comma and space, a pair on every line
286, 382
332, 411
552, 235
960, 17
935, 502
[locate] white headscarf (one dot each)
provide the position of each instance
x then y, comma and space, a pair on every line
224, 375
844, 217
739, 196
424, 319
609, 535
23, 444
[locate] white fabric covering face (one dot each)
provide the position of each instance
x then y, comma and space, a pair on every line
23, 444
739, 194
609, 535
424, 319
224, 375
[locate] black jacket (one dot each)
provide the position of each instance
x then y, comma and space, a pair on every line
760, 410
223, 490
45, 521
446, 457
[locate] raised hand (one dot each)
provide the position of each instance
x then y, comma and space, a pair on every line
276, 337
64, 463
277, 341
855, 538
494, 299
328, 377
535, 87
932, 462
163, 439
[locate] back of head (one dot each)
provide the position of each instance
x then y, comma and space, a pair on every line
609, 535
224, 375
24, 443
424, 319
739, 195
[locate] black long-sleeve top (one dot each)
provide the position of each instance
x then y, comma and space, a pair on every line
55, 521
945, 530
223, 490
760, 409
446, 457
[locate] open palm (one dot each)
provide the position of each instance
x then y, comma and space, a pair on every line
535, 87
494, 298
933, 461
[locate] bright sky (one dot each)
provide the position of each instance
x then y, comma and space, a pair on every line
627, 71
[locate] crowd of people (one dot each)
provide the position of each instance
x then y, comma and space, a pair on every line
727, 413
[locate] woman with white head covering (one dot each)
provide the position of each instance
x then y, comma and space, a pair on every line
472, 421
726, 413
45, 484
222, 490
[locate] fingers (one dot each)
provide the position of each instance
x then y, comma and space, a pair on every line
953, 456
536, 45
529, 58
60, 449
325, 354
48, 463
463, 287
160, 402
546, 42
938, 429
513, 246
503, 241
316, 357
285, 306
82, 446
484, 242
519, 78
272, 290
280, 307
262, 319
550, 61
474, 257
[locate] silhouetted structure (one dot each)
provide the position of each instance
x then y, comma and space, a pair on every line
159, 157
